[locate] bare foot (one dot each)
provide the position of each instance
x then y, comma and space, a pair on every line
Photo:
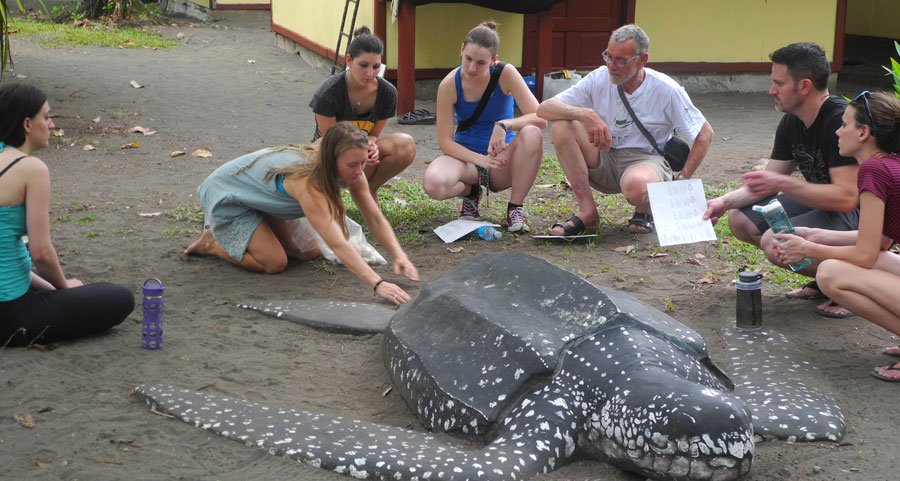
892, 351
833, 310
201, 247
889, 373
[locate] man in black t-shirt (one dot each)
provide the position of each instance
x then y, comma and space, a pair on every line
805, 140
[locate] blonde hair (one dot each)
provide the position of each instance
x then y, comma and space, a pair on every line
322, 170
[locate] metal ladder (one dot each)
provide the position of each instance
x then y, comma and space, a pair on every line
345, 33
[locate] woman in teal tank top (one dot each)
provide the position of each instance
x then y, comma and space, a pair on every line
40, 306
246, 200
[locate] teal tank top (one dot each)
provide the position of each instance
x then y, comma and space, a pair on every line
15, 263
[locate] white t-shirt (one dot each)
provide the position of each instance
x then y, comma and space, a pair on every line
660, 103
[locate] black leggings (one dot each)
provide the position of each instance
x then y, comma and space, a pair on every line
51, 316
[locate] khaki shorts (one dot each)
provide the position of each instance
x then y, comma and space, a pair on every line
606, 177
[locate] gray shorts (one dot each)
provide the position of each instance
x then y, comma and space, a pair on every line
607, 176
803, 216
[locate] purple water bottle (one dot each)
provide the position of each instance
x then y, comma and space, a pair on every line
152, 331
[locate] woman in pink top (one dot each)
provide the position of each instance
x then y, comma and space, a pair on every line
859, 273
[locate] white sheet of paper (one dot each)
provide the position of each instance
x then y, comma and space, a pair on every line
678, 209
453, 230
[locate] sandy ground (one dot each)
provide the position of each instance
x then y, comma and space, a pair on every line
227, 88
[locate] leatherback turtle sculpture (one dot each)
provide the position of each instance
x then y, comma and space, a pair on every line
544, 365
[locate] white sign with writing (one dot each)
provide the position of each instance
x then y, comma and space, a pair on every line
678, 209
457, 229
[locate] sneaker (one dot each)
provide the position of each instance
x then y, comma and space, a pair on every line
469, 209
516, 221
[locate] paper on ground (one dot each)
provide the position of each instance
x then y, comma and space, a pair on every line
678, 209
453, 230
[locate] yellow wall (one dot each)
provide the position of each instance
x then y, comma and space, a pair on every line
242, 2
682, 31
319, 20
441, 29
202, 3
733, 30
874, 18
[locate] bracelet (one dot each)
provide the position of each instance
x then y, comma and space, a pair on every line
375, 287
502, 126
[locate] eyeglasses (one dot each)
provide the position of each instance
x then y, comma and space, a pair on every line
619, 61
863, 98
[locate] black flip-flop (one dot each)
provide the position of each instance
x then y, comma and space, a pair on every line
890, 367
640, 223
809, 285
417, 117
577, 228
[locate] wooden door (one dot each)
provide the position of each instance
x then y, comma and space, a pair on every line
581, 30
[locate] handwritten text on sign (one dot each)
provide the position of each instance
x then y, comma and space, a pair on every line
678, 209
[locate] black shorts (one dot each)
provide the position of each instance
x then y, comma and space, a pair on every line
804, 216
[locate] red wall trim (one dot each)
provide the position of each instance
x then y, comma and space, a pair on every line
629, 11
380, 27
711, 67
667, 67
244, 6
315, 47
406, 59
421, 73
837, 63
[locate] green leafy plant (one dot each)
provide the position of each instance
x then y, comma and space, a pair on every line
55, 35
4, 36
894, 69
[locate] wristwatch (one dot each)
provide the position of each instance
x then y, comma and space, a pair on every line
502, 125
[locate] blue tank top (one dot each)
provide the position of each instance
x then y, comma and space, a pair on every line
499, 107
15, 263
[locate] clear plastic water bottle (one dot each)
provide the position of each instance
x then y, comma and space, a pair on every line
488, 233
152, 329
749, 301
780, 224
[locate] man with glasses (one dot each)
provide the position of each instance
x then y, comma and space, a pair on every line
598, 143
805, 139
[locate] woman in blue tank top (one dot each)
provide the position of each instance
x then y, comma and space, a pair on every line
42, 306
496, 150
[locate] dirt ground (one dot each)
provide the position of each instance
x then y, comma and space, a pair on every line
228, 89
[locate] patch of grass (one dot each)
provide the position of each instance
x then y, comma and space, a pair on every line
186, 213
670, 305
177, 232
744, 256
87, 219
91, 234
409, 210
77, 207
56, 35
63, 218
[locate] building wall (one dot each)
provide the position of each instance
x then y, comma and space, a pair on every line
733, 30
726, 31
442, 27
319, 20
242, 2
874, 18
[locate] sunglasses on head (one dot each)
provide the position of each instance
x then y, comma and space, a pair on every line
863, 98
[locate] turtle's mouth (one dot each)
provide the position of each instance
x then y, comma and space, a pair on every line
724, 456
